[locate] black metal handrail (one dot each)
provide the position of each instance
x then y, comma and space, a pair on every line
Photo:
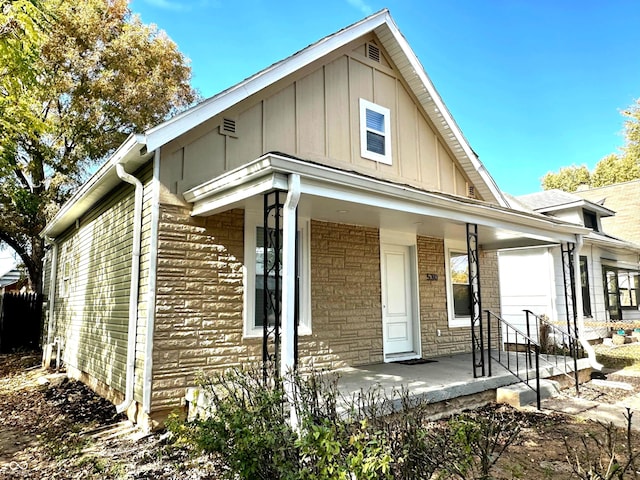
568, 343
512, 360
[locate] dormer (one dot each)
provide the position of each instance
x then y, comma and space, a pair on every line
568, 207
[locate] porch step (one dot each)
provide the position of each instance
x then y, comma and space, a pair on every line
519, 394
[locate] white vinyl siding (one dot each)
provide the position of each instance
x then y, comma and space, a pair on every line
93, 285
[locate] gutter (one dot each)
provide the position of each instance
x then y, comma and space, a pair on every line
135, 283
591, 354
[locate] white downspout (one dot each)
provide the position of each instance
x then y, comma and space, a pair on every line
579, 306
52, 290
151, 295
135, 281
47, 351
289, 286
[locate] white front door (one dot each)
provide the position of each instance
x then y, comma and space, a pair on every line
397, 300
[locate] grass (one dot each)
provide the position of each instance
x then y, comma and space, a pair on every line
622, 356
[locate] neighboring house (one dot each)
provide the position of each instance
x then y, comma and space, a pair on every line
624, 199
389, 223
12, 280
607, 271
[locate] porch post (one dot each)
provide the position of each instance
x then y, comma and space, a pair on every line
289, 317
289, 236
477, 339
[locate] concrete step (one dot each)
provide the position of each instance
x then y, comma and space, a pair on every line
519, 394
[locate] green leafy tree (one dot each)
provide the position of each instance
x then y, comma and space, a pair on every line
73, 89
614, 168
567, 179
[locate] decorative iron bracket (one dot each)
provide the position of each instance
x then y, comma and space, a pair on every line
475, 298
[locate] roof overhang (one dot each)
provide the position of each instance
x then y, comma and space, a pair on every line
603, 211
271, 171
612, 244
132, 153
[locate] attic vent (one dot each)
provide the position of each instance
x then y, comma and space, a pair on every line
228, 127
373, 52
471, 191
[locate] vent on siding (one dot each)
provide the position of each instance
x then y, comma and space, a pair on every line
228, 127
471, 191
373, 52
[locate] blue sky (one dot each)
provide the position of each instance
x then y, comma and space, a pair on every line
534, 85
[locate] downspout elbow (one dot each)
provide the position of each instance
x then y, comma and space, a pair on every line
588, 348
135, 283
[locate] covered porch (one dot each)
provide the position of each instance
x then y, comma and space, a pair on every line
318, 297
448, 382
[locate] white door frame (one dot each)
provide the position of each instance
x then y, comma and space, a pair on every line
392, 238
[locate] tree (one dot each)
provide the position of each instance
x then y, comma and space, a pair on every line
567, 179
613, 168
99, 75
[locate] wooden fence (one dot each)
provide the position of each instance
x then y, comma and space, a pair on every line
20, 321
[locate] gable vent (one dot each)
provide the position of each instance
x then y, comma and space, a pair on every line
471, 191
228, 127
373, 52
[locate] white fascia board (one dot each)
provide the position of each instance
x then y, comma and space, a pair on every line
603, 211
456, 212
444, 111
612, 243
221, 200
171, 129
331, 183
100, 183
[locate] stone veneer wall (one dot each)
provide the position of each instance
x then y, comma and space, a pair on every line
199, 301
345, 297
433, 298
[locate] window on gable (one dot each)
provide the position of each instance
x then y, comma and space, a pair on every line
375, 132
590, 220
255, 255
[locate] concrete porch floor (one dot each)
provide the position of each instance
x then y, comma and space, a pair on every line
447, 379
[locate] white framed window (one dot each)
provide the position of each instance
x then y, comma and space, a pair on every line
255, 254
458, 287
375, 132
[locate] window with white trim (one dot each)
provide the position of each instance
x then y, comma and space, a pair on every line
458, 287
375, 132
255, 256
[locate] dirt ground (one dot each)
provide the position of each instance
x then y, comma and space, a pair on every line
62, 430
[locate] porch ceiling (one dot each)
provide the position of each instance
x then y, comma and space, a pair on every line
344, 197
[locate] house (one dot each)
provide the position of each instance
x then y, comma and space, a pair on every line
607, 282
332, 191
11, 280
622, 198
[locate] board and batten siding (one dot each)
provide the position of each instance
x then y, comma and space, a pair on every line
314, 115
93, 285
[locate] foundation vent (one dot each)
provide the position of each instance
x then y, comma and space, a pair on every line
373, 52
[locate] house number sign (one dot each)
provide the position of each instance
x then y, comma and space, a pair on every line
432, 277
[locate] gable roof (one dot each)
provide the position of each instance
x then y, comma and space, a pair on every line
140, 147
553, 200
404, 58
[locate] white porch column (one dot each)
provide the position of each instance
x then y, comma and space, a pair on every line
287, 338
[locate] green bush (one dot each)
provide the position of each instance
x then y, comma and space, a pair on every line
371, 437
